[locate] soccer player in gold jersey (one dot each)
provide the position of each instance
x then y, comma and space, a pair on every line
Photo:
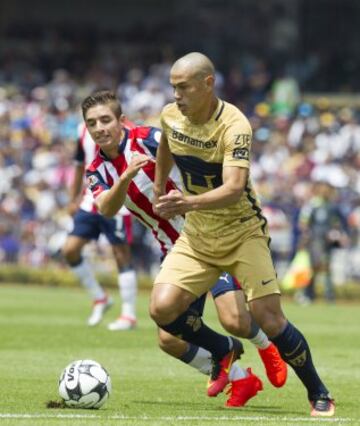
224, 230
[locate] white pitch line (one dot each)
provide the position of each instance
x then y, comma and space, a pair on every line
171, 418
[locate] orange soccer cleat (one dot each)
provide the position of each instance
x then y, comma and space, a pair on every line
243, 389
275, 366
219, 376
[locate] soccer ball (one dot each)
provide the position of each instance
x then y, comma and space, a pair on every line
84, 384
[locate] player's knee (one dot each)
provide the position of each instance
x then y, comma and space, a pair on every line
162, 311
123, 264
71, 254
167, 303
268, 314
272, 323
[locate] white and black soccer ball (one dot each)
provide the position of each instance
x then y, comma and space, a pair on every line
84, 384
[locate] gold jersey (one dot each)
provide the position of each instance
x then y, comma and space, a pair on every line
201, 152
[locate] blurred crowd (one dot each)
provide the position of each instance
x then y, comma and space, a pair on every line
295, 144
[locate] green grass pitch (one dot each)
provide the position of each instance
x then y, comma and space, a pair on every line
43, 329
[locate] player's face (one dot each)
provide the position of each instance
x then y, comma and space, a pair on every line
104, 127
191, 93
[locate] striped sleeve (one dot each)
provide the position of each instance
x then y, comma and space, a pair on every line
95, 182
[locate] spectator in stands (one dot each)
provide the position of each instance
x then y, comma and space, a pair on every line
324, 228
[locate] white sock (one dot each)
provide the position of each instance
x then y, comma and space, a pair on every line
261, 340
237, 373
128, 291
202, 361
87, 278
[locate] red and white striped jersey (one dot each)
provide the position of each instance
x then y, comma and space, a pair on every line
103, 172
85, 154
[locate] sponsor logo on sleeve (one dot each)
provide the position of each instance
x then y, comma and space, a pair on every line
241, 154
242, 139
92, 181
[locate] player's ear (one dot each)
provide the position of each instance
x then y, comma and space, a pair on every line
122, 119
209, 82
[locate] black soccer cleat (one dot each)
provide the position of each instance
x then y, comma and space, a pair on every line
322, 405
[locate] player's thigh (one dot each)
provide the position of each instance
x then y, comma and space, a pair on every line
183, 269
224, 284
254, 268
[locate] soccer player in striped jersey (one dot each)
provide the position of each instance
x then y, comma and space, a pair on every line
123, 173
88, 225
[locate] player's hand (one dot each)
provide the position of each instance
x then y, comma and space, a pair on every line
138, 161
155, 202
173, 204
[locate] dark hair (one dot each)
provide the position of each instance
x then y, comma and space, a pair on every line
102, 97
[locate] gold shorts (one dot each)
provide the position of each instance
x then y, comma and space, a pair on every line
195, 263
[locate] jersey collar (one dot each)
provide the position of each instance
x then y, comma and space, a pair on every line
219, 110
123, 142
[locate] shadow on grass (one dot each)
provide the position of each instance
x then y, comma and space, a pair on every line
180, 405
263, 410
259, 409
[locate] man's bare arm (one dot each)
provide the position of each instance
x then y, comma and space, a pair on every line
176, 203
76, 188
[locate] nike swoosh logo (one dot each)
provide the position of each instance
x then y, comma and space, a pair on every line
230, 363
267, 282
292, 353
